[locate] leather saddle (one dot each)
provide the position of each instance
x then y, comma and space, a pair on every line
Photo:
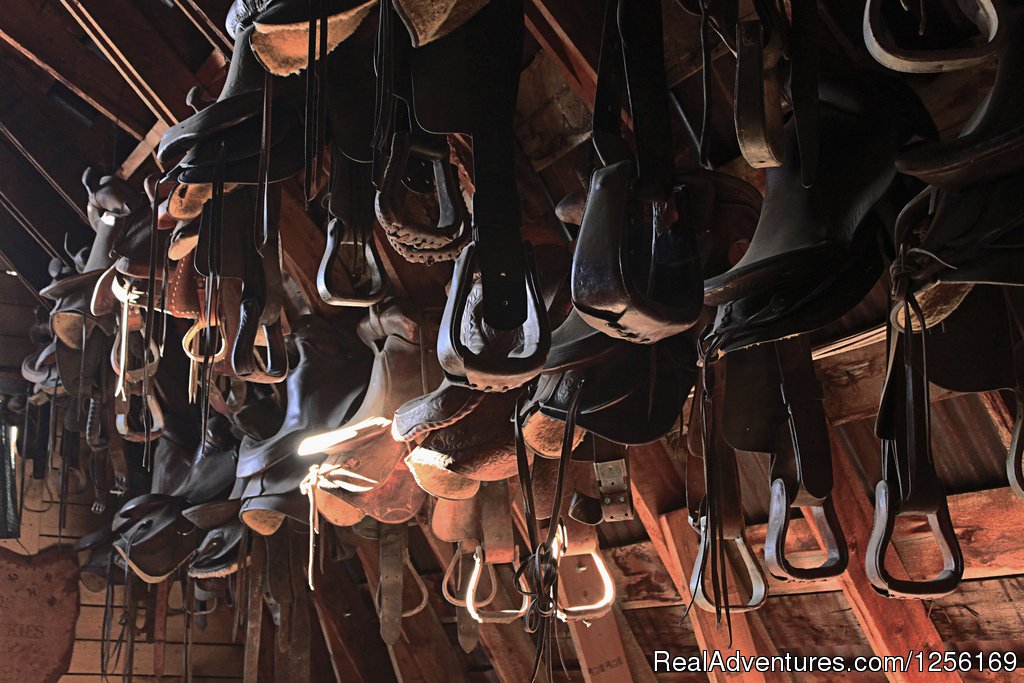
636, 268
325, 389
965, 228
361, 453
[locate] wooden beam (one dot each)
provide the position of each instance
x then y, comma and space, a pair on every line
41, 31
892, 627
88, 137
852, 372
212, 30
580, 72
139, 53
600, 643
26, 129
211, 77
142, 151
658, 500
33, 204
350, 628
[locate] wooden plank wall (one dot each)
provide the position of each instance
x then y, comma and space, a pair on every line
216, 659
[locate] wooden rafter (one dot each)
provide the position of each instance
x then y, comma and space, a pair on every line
44, 33
139, 53
35, 207
24, 127
347, 624
204, 23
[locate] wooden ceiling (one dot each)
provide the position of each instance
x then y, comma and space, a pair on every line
96, 82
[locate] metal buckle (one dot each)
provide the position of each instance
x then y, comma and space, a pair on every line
613, 484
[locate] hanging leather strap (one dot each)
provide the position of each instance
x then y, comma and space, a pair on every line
497, 216
468, 629
632, 62
496, 522
393, 538
803, 84
254, 609
611, 472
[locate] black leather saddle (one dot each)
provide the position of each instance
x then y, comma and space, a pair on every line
636, 267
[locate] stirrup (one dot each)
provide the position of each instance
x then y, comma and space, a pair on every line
823, 517
885, 51
759, 128
502, 616
492, 369
758, 584
452, 220
373, 264
887, 509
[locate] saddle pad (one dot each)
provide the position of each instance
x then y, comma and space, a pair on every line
40, 608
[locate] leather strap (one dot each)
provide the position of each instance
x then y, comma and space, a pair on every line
611, 472
497, 217
632, 62
254, 609
468, 629
393, 539
496, 522
803, 84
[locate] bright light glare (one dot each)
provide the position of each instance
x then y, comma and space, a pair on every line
320, 443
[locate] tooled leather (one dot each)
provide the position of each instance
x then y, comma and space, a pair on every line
395, 500
488, 424
393, 196
415, 254
442, 407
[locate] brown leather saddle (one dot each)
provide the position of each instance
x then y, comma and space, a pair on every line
361, 453
815, 253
